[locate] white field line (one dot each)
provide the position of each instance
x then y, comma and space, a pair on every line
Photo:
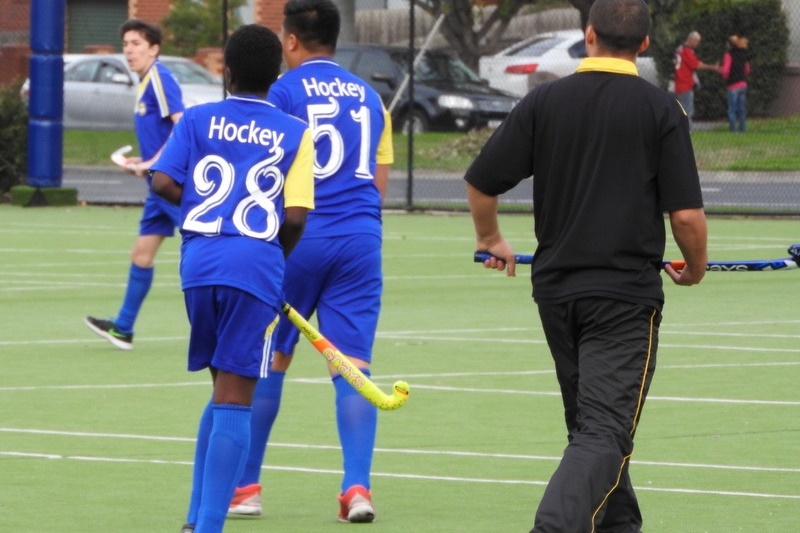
661, 345
80, 251
422, 477
387, 380
398, 451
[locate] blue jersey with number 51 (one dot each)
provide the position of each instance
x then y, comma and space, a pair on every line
352, 133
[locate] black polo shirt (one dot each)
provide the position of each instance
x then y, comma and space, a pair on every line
609, 153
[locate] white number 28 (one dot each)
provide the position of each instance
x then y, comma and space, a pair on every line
202, 218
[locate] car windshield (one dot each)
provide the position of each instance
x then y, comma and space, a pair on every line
188, 73
440, 67
536, 47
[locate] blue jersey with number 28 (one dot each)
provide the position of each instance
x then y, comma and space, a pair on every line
240, 162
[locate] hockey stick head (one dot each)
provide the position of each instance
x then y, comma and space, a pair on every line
397, 399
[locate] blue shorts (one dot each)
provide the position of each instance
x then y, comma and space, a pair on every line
159, 217
339, 278
231, 330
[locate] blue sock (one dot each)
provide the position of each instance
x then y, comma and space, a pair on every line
227, 451
139, 282
266, 403
201, 448
357, 420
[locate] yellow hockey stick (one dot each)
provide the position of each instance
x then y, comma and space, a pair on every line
348, 371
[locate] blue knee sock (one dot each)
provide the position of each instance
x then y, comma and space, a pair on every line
201, 448
266, 403
227, 451
139, 282
357, 420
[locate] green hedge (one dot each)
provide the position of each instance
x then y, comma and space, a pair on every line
13, 137
763, 22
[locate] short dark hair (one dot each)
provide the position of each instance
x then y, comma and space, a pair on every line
151, 32
316, 23
620, 25
253, 55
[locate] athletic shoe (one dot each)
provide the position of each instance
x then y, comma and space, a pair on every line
187, 528
246, 501
107, 330
355, 505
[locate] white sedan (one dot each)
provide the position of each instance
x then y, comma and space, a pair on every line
544, 57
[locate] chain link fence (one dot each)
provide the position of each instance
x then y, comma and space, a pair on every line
726, 188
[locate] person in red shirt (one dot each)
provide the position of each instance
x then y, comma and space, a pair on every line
735, 70
686, 66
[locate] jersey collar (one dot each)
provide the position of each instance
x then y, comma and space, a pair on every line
608, 64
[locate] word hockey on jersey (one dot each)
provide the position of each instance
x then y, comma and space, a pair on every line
244, 133
335, 88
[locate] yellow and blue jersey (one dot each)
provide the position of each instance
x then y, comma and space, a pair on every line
240, 162
158, 97
352, 133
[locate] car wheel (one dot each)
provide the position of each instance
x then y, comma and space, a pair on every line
415, 121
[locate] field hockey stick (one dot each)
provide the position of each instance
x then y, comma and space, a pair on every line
786, 263
346, 369
118, 157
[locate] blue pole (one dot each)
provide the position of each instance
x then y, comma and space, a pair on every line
46, 100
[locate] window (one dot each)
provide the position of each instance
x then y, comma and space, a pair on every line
83, 71
108, 71
374, 62
188, 73
536, 47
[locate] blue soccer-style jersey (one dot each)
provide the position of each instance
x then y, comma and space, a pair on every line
158, 97
352, 133
240, 162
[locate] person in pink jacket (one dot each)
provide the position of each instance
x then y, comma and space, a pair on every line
735, 70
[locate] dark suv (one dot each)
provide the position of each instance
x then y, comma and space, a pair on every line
448, 95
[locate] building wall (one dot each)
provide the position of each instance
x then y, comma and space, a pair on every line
269, 13
14, 15
148, 10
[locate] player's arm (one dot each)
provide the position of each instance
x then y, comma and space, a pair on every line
294, 224
166, 187
382, 179
691, 234
483, 208
142, 167
384, 155
298, 195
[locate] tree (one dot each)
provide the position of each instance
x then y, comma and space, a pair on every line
193, 24
458, 27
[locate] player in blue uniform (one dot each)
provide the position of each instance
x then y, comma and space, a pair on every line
242, 173
159, 105
335, 270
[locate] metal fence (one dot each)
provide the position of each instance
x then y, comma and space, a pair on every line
729, 192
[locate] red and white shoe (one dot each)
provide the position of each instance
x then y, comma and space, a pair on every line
355, 505
246, 501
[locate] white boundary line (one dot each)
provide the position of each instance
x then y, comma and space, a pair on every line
404, 451
456, 479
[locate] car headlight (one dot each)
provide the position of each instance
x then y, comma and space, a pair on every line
452, 101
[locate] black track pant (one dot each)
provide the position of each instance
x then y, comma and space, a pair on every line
605, 354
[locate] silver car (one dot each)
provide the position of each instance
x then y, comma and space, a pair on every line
100, 90
544, 57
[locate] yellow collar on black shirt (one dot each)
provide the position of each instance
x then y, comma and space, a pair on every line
607, 64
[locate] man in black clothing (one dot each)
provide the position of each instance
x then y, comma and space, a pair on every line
609, 154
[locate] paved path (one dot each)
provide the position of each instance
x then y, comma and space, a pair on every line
767, 191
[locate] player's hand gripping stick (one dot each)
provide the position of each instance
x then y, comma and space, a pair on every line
348, 370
